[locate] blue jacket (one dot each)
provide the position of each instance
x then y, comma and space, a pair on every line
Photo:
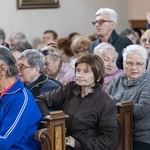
19, 119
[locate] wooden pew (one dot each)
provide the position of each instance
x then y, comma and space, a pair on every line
52, 132
125, 125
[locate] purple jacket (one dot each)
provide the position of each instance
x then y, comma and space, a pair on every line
108, 78
67, 73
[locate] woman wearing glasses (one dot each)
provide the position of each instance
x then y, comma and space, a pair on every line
31, 65
145, 42
134, 85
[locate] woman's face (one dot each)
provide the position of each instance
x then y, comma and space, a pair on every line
109, 58
51, 67
27, 73
145, 42
134, 66
84, 75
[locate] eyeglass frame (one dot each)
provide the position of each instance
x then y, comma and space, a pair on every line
23, 67
100, 22
144, 40
131, 64
81, 51
50, 51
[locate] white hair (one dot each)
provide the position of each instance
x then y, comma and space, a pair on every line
112, 14
138, 49
103, 48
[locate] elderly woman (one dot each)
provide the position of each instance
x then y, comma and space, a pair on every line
18, 121
109, 56
145, 42
134, 85
31, 65
92, 113
55, 68
80, 46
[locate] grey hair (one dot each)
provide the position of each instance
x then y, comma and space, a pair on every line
19, 36
34, 58
104, 47
8, 59
132, 49
112, 14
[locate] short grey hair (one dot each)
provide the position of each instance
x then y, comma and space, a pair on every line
8, 59
34, 58
138, 49
19, 36
103, 48
112, 14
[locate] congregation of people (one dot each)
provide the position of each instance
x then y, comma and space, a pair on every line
85, 76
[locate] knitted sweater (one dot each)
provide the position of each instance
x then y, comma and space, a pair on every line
137, 91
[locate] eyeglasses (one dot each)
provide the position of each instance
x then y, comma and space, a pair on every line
22, 67
131, 64
82, 51
100, 22
145, 40
50, 51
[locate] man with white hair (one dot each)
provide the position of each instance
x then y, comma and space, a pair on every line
105, 23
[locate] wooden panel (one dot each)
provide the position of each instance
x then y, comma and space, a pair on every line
138, 24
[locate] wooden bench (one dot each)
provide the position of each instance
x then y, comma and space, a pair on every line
52, 132
125, 125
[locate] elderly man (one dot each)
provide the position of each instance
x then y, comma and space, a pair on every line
19, 114
48, 37
105, 23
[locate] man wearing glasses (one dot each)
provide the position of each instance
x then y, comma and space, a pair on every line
105, 23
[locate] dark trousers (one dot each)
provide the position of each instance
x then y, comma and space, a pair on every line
140, 146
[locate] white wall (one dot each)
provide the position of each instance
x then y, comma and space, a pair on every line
73, 15
138, 9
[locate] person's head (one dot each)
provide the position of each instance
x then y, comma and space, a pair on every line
134, 61
145, 40
19, 48
73, 35
49, 36
80, 46
30, 65
129, 33
64, 45
89, 70
109, 55
8, 66
14, 38
105, 21
2, 36
53, 61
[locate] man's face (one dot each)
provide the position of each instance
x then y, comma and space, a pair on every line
106, 27
47, 38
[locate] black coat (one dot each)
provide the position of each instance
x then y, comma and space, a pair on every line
92, 119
